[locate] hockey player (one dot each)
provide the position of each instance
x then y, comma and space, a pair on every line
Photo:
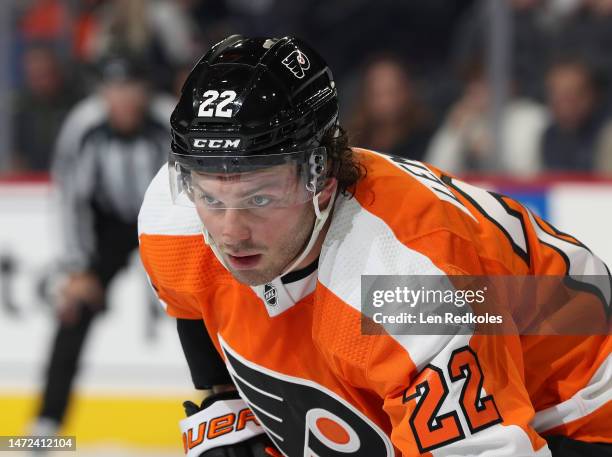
258, 245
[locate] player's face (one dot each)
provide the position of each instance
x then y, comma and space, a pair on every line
258, 242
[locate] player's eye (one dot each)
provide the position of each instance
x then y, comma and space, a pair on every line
209, 200
260, 201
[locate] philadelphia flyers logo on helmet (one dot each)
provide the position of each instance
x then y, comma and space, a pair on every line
297, 62
303, 418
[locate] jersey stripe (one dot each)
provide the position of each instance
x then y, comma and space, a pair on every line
596, 394
370, 247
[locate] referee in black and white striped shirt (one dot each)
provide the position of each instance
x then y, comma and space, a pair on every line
110, 147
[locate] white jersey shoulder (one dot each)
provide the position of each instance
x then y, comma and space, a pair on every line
359, 243
159, 216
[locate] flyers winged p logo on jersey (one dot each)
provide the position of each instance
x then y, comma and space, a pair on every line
303, 418
297, 62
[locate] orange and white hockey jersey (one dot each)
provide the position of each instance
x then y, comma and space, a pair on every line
321, 387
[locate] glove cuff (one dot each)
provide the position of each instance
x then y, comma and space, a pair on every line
224, 420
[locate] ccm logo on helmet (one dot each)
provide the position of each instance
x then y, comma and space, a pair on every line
215, 143
304, 418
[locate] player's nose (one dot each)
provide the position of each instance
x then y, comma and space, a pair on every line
235, 226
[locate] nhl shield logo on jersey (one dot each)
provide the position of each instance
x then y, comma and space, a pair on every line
270, 294
304, 418
297, 62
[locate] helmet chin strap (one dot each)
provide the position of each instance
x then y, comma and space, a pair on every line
210, 242
321, 218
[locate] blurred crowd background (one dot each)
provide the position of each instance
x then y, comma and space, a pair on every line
479, 88
517, 87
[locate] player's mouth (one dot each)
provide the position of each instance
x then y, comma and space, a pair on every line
243, 262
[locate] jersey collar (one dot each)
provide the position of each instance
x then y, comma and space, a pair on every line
283, 292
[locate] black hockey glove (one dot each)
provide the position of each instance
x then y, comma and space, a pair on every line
224, 426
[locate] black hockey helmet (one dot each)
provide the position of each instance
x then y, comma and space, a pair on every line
251, 103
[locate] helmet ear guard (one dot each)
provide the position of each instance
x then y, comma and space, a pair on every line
318, 170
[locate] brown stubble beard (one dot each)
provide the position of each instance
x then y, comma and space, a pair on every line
275, 262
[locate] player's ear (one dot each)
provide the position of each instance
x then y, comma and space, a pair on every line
326, 193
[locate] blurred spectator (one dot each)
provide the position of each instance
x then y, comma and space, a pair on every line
348, 30
158, 30
389, 117
39, 109
570, 141
109, 149
47, 20
530, 42
588, 33
465, 143
71, 24
213, 21
85, 18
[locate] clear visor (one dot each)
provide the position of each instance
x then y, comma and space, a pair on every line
236, 182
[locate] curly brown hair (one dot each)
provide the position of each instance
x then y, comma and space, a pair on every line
345, 165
